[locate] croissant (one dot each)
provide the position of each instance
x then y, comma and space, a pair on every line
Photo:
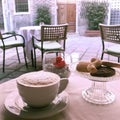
94, 63
89, 66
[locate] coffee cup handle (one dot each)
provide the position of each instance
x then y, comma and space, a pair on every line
63, 84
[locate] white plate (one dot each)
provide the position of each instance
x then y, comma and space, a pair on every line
15, 105
93, 78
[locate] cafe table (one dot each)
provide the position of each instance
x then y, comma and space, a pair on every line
28, 32
77, 108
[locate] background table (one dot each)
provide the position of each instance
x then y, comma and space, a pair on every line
78, 108
28, 32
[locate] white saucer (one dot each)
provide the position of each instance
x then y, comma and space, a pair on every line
15, 105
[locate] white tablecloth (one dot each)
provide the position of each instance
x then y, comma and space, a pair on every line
78, 108
28, 32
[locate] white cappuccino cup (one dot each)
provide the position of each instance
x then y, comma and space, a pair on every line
39, 89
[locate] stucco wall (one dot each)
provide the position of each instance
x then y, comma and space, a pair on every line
20, 20
1, 16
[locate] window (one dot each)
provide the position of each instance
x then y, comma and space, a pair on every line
21, 6
115, 12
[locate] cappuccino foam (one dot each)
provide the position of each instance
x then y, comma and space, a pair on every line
38, 78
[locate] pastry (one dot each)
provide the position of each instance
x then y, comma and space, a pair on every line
104, 71
82, 66
91, 66
95, 67
95, 63
111, 64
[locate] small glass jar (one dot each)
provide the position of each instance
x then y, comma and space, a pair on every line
51, 64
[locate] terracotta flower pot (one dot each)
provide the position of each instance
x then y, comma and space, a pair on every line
92, 33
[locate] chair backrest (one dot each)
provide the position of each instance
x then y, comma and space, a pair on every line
110, 33
54, 32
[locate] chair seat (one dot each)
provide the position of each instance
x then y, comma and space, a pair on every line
12, 42
48, 45
115, 49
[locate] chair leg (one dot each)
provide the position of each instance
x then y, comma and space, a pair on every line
34, 58
60, 53
18, 54
3, 60
102, 55
56, 53
25, 57
118, 59
42, 54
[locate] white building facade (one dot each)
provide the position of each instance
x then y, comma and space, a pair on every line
14, 20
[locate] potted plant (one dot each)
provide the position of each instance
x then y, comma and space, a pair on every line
94, 12
43, 15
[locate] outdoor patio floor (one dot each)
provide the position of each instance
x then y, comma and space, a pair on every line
86, 47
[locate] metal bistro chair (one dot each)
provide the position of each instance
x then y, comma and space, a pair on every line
53, 38
111, 34
12, 40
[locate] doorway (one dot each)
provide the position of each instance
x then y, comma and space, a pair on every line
67, 14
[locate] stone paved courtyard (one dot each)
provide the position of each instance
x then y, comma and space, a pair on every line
86, 47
